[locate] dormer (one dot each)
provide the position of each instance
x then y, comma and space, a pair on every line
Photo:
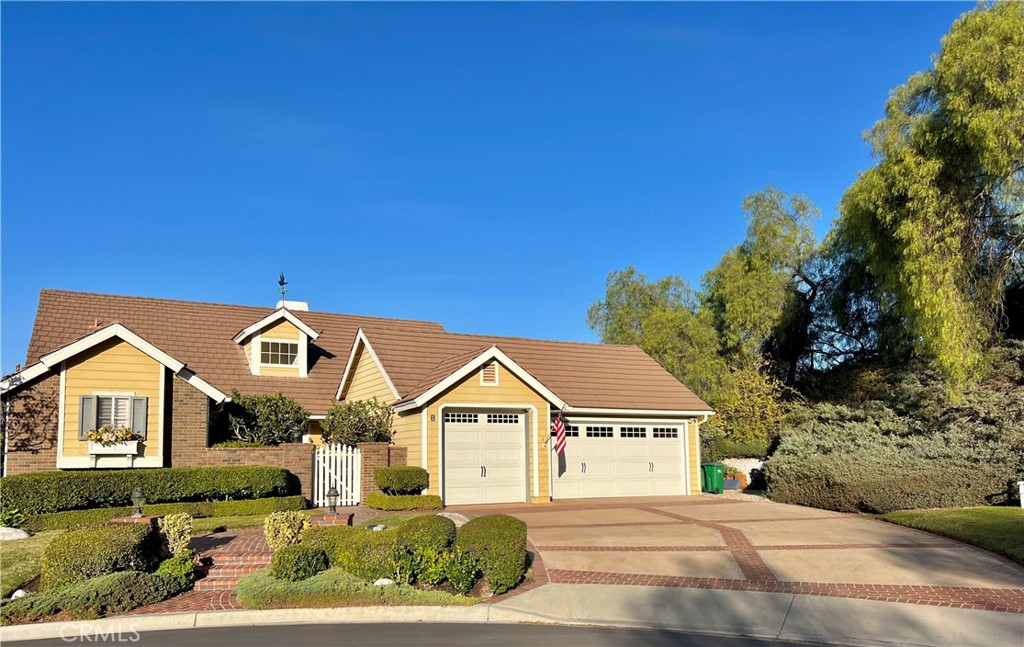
278, 344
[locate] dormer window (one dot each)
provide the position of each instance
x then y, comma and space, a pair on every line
277, 345
278, 353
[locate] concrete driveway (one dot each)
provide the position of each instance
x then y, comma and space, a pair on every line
752, 544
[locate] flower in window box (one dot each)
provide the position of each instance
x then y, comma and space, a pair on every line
109, 435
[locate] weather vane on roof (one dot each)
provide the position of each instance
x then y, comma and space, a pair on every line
280, 285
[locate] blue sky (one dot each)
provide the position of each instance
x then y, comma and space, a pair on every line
481, 165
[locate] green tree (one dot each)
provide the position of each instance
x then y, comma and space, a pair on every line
761, 294
940, 214
266, 419
358, 421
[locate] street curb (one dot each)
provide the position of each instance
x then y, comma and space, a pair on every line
126, 627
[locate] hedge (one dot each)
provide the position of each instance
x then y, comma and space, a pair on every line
96, 597
381, 501
44, 492
429, 532
497, 543
402, 479
335, 588
298, 562
198, 509
88, 552
369, 554
328, 539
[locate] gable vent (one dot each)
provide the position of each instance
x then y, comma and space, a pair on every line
489, 374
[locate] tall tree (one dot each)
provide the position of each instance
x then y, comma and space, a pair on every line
760, 295
941, 215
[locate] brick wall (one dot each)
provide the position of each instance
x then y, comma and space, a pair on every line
188, 421
297, 458
30, 415
374, 455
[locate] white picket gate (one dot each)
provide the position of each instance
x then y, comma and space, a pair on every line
339, 466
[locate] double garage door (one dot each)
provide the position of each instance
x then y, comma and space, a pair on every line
605, 459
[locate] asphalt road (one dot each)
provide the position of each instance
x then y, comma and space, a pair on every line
411, 635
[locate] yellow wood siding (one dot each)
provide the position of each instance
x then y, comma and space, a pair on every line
367, 380
279, 371
112, 367
409, 434
316, 435
283, 329
693, 452
248, 353
510, 391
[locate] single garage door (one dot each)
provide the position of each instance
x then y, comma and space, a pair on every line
611, 459
484, 456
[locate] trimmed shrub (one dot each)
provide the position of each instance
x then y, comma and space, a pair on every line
462, 570
284, 529
370, 554
334, 588
180, 566
44, 492
328, 539
381, 501
427, 532
497, 544
93, 598
718, 448
402, 479
177, 531
298, 562
88, 552
198, 510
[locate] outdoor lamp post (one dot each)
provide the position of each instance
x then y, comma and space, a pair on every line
332, 500
139, 499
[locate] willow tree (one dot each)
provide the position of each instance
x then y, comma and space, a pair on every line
940, 214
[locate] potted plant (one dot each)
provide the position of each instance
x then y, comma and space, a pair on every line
111, 440
734, 479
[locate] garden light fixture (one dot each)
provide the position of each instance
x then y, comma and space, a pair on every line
139, 499
332, 500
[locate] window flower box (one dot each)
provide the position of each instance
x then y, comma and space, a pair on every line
124, 448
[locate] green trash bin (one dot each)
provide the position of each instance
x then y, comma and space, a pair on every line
712, 477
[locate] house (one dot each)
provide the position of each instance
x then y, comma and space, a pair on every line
474, 410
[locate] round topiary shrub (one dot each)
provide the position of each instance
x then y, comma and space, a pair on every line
402, 479
284, 528
427, 532
497, 545
295, 563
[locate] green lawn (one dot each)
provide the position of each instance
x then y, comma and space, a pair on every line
217, 524
20, 560
1000, 530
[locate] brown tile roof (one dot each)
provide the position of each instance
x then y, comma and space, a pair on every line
415, 354
596, 376
200, 334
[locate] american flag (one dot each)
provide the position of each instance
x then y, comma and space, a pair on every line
559, 435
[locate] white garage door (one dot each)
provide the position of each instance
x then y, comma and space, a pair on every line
612, 459
484, 456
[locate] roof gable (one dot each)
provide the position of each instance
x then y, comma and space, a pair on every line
362, 344
270, 320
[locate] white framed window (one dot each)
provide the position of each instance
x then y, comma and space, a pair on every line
600, 432
461, 417
665, 432
503, 418
278, 353
114, 410
571, 431
633, 432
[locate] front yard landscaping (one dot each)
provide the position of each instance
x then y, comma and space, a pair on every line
413, 559
20, 561
999, 529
